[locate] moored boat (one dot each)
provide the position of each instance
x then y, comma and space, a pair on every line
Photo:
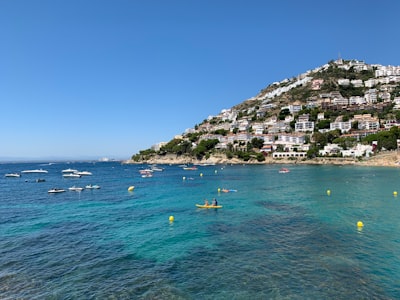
69, 170
76, 189
35, 171
95, 186
147, 175
83, 173
190, 168
56, 190
71, 175
12, 175
284, 170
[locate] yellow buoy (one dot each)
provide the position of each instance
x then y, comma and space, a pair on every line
219, 190
328, 192
201, 174
131, 188
171, 218
183, 178
360, 224
395, 193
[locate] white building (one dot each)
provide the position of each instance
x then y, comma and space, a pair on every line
358, 151
286, 138
342, 126
304, 126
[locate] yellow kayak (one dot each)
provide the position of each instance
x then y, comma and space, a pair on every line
208, 206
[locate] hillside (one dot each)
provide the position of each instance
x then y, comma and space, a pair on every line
345, 108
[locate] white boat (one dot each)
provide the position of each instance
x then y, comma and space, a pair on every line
76, 189
35, 171
190, 168
157, 169
147, 175
284, 170
56, 190
69, 171
145, 171
84, 173
12, 175
71, 175
95, 186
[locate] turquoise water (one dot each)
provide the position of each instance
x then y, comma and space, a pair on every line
280, 236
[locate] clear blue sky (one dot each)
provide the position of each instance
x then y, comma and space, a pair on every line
107, 78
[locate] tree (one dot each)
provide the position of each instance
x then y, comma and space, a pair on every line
345, 142
324, 124
283, 113
257, 143
320, 139
312, 152
203, 147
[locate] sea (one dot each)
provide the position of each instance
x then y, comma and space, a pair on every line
277, 236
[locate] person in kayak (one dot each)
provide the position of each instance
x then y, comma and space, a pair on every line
214, 202
206, 202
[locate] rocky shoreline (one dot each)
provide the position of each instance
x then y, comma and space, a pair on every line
382, 159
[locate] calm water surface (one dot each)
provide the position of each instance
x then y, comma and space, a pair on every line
279, 236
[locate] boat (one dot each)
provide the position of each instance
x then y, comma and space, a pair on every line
284, 170
92, 187
84, 173
190, 168
147, 175
145, 171
35, 171
208, 206
227, 191
56, 190
71, 175
12, 175
76, 189
69, 170
40, 180
157, 169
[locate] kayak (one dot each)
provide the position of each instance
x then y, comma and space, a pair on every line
227, 191
208, 206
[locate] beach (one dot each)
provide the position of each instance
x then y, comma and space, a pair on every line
381, 159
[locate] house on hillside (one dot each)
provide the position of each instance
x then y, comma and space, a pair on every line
367, 122
342, 126
305, 126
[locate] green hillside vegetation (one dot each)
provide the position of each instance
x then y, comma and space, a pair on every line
194, 144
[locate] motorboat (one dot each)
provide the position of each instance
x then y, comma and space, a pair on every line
95, 186
56, 190
284, 170
35, 171
145, 171
83, 173
12, 175
69, 170
40, 180
76, 189
147, 175
156, 168
190, 168
71, 175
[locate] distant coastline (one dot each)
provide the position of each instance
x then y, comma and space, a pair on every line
381, 159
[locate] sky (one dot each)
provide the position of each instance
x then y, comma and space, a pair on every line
108, 78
